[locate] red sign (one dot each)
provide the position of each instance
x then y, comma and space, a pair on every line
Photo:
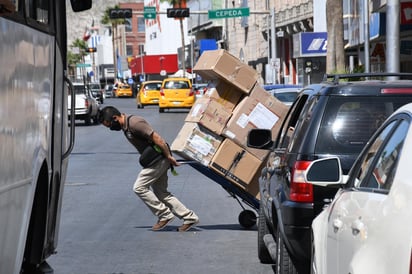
406, 13
154, 64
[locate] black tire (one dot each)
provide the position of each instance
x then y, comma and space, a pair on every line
263, 229
247, 218
284, 263
88, 119
161, 110
96, 120
140, 106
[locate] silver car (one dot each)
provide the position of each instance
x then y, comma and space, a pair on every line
367, 227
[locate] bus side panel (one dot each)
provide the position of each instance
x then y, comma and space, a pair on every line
26, 82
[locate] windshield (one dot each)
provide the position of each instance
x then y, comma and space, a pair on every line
286, 97
79, 89
153, 86
177, 85
349, 122
94, 86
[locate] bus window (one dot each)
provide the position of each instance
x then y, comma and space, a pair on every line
39, 10
7, 7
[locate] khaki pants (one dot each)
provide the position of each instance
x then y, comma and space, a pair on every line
151, 187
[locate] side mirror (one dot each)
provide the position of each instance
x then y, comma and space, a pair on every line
323, 172
260, 138
81, 5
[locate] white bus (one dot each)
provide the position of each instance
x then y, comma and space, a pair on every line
35, 137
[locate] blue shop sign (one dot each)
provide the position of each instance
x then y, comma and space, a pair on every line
310, 44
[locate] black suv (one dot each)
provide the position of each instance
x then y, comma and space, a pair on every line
334, 118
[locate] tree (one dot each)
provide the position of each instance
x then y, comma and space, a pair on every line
106, 20
335, 56
180, 4
76, 54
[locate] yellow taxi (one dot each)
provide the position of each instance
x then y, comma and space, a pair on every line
149, 93
176, 93
123, 90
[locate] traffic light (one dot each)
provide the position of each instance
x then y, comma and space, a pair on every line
120, 13
178, 12
91, 49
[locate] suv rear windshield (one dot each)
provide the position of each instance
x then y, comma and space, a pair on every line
349, 122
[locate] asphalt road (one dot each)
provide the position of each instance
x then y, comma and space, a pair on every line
105, 228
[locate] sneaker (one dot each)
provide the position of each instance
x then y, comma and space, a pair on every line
161, 224
186, 227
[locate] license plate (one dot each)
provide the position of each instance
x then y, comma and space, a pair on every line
176, 103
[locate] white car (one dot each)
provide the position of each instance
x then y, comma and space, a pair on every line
367, 228
87, 107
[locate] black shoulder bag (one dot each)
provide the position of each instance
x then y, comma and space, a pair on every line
150, 155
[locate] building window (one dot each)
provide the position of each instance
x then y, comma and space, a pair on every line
129, 50
140, 24
128, 25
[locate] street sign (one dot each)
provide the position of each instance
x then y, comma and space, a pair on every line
83, 65
149, 12
228, 13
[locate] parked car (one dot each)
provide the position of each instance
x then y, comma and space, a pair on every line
108, 90
367, 227
283, 92
97, 92
123, 90
176, 93
87, 107
149, 93
333, 118
200, 89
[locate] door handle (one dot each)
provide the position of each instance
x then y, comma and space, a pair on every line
358, 227
337, 224
72, 118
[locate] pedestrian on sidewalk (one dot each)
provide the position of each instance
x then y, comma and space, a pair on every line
156, 159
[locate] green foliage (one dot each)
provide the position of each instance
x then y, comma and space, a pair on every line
106, 20
74, 58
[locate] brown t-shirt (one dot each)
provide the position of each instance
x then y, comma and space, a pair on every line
138, 131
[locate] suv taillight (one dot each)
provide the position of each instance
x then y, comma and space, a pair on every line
86, 103
191, 93
300, 190
162, 93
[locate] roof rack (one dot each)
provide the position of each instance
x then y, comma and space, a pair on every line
337, 77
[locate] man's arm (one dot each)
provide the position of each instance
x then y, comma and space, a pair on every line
160, 142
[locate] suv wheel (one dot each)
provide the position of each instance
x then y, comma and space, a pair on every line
247, 218
161, 110
88, 119
263, 229
284, 263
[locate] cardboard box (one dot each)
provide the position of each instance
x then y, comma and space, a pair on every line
194, 142
259, 110
220, 64
237, 165
224, 93
210, 114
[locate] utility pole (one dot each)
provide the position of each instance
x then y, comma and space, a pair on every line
392, 36
273, 41
366, 34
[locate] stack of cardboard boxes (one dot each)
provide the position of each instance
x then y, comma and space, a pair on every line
216, 128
